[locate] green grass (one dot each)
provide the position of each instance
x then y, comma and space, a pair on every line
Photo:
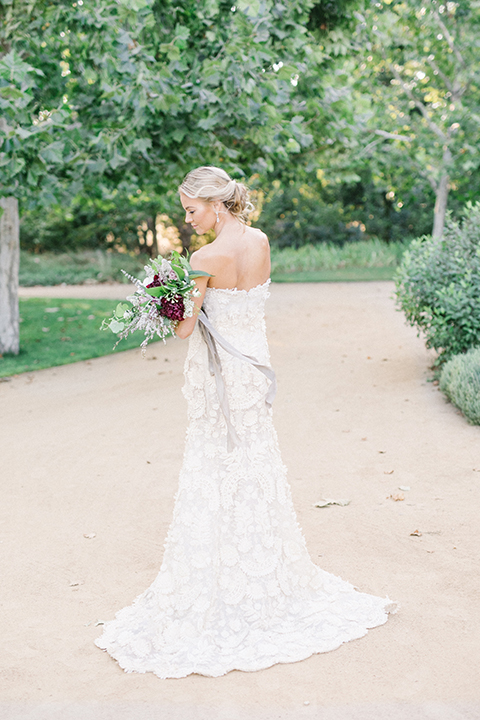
337, 275
363, 260
91, 266
58, 332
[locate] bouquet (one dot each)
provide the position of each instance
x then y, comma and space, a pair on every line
161, 300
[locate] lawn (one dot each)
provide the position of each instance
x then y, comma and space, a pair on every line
364, 260
58, 332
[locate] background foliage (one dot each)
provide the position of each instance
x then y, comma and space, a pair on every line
438, 286
342, 109
460, 381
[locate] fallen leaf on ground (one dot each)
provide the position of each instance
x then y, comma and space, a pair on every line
327, 502
397, 497
75, 583
416, 533
388, 472
89, 536
404, 487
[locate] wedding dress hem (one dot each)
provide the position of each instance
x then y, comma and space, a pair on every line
237, 589
127, 665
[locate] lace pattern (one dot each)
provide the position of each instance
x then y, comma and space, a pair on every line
237, 588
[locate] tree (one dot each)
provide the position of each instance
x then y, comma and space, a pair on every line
421, 65
118, 96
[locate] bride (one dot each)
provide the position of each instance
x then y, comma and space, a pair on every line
237, 589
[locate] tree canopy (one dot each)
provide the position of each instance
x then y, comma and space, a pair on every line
420, 71
134, 92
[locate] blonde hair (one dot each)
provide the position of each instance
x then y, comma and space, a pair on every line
212, 184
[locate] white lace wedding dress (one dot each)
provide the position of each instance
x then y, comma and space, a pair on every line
237, 588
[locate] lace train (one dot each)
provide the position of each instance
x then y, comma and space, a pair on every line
237, 588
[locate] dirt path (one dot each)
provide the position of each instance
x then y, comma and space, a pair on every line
89, 464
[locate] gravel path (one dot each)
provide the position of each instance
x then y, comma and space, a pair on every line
90, 455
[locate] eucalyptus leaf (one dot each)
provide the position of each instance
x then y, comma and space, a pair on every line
199, 273
116, 326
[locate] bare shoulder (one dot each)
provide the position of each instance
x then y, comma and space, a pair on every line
206, 258
257, 234
203, 254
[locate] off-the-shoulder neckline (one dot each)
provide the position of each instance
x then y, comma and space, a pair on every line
237, 290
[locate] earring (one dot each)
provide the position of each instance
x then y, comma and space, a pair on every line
216, 213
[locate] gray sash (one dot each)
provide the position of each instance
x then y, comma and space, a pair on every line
212, 337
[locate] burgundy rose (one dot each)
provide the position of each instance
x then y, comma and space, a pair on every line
172, 309
156, 282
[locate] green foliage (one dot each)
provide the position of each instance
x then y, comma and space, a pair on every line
362, 254
75, 268
295, 215
104, 94
299, 214
88, 222
102, 266
59, 332
417, 71
438, 286
460, 381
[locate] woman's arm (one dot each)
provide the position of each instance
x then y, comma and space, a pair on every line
185, 328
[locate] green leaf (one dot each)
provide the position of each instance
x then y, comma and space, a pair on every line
121, 309
179, 270
249, 7
142, 144
16, 165
198, 273
116, 326
23, 133
182, 32
135, 5
286, 72
11, 92
292, 146
157, 291
53, 153
117, 160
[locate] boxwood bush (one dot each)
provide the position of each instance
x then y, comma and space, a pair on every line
460, 381
438, 286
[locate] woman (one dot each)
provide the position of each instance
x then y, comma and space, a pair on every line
237, 588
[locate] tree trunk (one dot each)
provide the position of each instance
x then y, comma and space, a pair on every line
185, 232
9, 263
441, 196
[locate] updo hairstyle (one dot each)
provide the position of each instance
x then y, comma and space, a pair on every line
212, 184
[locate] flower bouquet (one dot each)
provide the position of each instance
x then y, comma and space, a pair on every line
161, 300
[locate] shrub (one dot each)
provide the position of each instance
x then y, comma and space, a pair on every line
460, 381
438, 286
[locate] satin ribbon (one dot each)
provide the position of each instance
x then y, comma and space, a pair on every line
212, 337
